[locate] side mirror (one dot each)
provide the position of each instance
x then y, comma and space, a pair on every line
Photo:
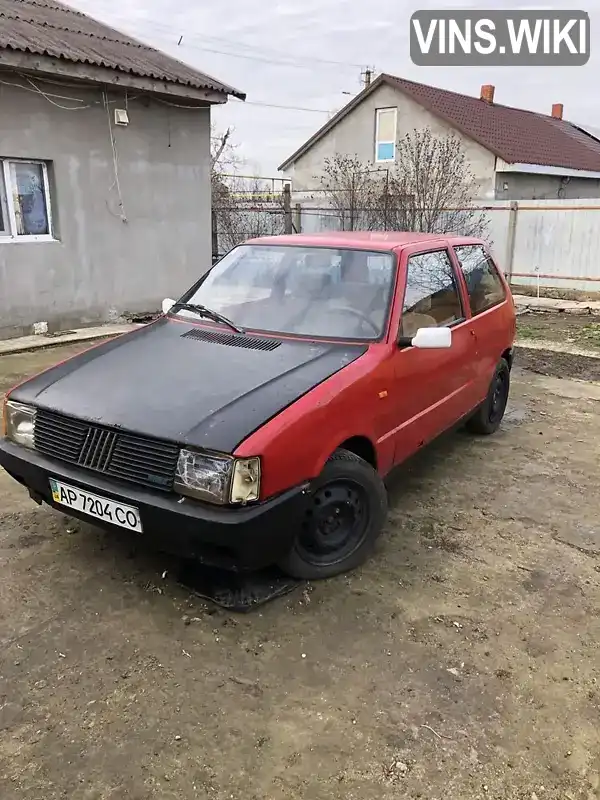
432, 338
167, 305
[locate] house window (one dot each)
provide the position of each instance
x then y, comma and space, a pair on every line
385, 134
25, 213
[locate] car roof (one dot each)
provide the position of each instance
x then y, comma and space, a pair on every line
364, 240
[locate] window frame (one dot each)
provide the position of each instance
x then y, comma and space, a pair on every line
378, 113
6, 198
495, 269
456, 277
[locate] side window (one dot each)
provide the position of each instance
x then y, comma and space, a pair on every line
483, 282
24, 200
431, 298
385, 134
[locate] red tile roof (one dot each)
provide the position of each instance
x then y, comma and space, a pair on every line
46, 27
513, 134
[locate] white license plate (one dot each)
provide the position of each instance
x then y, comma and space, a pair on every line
95, 506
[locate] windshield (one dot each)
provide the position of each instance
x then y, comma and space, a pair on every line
307, 291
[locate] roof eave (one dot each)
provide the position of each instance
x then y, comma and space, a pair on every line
49, 66
548, 169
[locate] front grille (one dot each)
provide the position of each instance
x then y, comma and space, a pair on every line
127, 456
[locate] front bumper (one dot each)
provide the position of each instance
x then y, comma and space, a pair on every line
247, 538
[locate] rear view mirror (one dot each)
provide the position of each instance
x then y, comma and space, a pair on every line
432, 338
167, 305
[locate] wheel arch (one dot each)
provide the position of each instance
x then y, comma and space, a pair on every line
362, 447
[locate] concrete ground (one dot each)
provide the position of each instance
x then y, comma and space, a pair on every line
461, 662
24, 344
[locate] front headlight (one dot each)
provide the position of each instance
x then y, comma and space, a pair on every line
19, 423
217, 479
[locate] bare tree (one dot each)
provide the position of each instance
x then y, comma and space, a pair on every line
432, 186
351, 189
243, 207
223, 160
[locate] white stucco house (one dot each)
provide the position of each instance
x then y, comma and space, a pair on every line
514, 154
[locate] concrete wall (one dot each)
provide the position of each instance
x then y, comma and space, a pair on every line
524, 186
100, 266
355, 135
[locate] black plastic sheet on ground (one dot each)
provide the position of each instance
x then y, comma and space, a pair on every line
235, 591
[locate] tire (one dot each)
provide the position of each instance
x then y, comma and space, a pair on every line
486, 420
346, 515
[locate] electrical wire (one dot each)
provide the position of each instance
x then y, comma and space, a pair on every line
53, 102
180, 105
46, 95
244, 103
276, 105
264, 60
115, 155
172, 30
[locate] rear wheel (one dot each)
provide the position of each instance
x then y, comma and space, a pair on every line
488, 416
347, 511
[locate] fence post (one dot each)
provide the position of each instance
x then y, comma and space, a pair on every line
510, 239
298, 218
288, 222
214, 232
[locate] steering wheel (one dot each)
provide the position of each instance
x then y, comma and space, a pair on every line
356, 313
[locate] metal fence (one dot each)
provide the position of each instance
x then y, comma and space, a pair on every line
238, 223
545, 243
247, 208
538, 243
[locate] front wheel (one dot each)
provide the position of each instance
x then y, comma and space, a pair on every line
486, 420
347, 511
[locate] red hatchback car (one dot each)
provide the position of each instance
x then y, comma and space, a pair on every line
254, 422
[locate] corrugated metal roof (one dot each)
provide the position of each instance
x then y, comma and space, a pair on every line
45, 27
513, 134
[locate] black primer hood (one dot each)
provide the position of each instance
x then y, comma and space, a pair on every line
190, 384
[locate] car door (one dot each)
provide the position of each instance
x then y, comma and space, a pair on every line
488, 300
433, 389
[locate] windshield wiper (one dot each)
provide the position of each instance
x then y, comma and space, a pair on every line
203, 311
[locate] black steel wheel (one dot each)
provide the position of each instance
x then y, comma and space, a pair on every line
490, 413
346, 512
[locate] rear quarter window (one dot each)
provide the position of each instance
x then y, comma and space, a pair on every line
484, 284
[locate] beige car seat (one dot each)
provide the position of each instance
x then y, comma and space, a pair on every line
412, 321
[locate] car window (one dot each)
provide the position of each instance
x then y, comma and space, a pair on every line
483, 282
301, 289
431, 298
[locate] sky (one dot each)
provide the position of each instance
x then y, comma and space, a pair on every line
300, 61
